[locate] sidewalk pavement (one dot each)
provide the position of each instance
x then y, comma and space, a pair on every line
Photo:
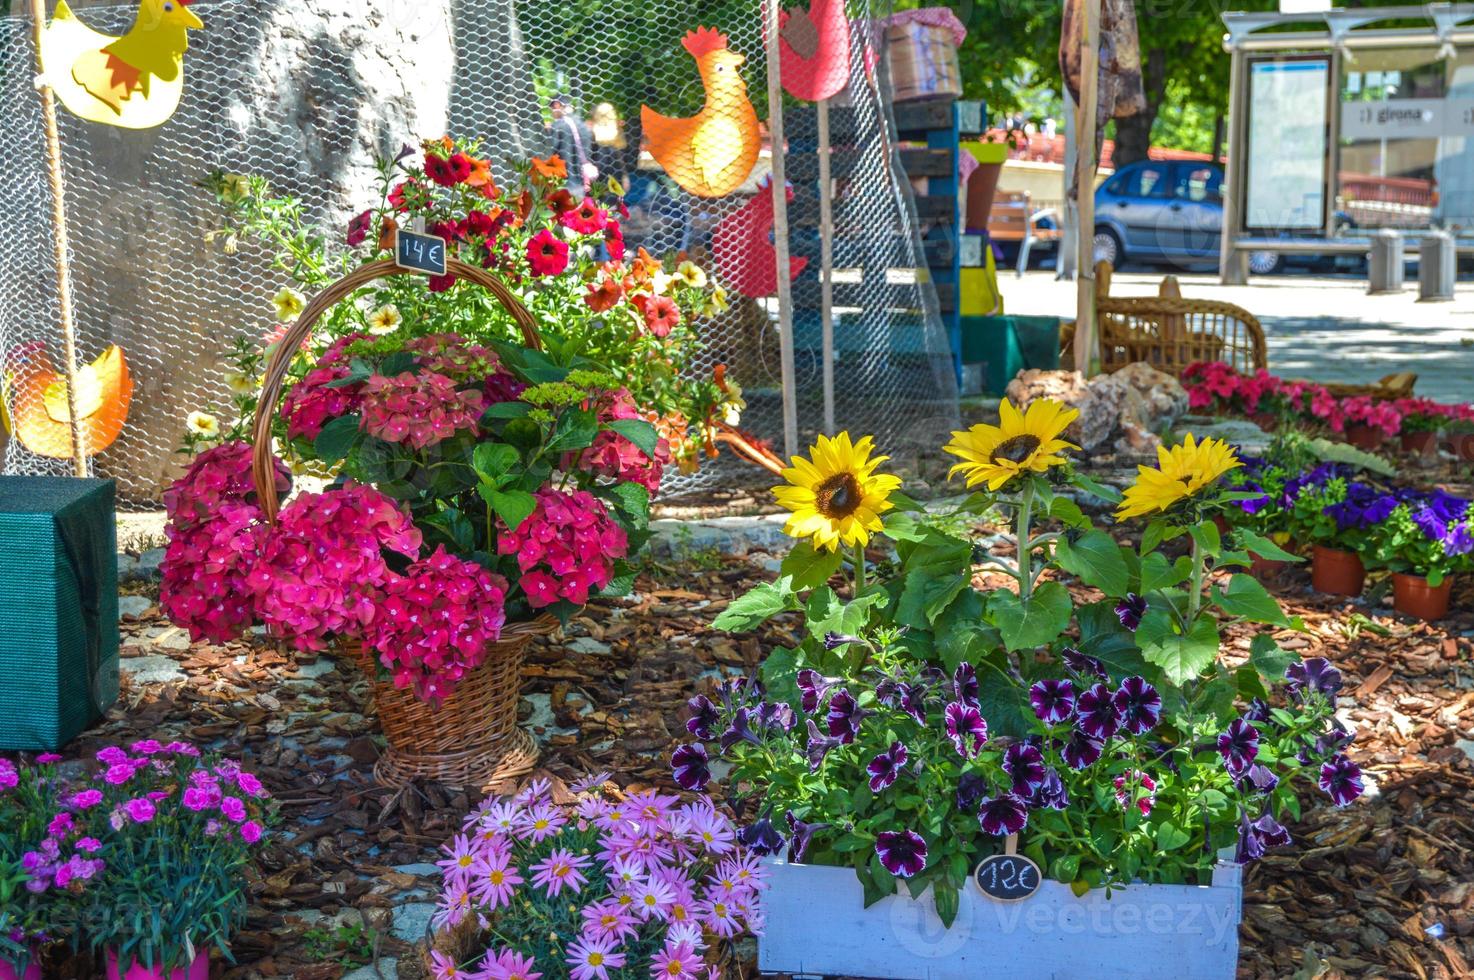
1326, 330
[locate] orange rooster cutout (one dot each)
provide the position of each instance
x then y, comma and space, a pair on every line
134, 81
814, 50
712, 153
38, 401
745, 256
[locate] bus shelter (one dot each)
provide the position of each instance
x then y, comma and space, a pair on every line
1344, 122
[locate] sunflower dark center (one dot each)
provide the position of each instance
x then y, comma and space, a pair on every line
839, 496
1015, 450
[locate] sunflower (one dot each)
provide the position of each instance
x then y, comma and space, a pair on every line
1021, 442
1180, 472
836, 496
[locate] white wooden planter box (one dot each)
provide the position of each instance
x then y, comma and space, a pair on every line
817, 925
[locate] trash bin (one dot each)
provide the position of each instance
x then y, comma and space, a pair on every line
1437, 267
999, 347
1386, 266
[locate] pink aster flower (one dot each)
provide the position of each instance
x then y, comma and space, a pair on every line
746, 870
721, 917
510, 965
711, 828
676, 962
609, 919
494, 880
462, 855
653, 898
560, 869
443, 967
592, 959
454, 906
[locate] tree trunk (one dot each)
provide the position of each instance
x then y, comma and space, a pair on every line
1134, 134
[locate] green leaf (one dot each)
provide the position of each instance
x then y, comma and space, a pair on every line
1109, 494
1158, 573
492, 460
506, 410
757, 606
638, 431
1170, 836
926, 595
903, 504
825, 613
1182, 658
1269, 658
1067, 512
1246, 597
1207, 537
1258, 544
336, 439
1003, 703
947, 899
810, 567
512, 506
1103, 637
1095, 559
1040, 620
1250, 684
575, 430
398, 363
779, 671
633, 500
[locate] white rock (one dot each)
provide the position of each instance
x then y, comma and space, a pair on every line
151, 670
133, 606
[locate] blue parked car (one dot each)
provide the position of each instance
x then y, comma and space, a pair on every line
1168, 211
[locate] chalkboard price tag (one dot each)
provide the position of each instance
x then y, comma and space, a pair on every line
1008, 877
420, 253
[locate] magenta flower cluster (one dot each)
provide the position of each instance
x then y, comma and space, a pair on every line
321, 571
566, 548
417, 409
320, 396
436, 621
643, 882
615, 456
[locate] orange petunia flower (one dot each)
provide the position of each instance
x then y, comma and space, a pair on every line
644, 267
603, 296
562, 201
482, 180
552, 168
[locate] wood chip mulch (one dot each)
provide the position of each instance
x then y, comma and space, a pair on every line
1382, 888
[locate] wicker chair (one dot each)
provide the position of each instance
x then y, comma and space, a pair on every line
1169, 332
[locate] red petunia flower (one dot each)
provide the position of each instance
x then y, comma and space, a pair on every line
662, 315
547, 254
562, 201
359, 228
604, 295
614, 241
586, 219
439, 170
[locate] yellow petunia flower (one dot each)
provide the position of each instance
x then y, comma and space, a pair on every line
1181, 472
202, 424
289, 304
836, 496
385, 320
717, 303
1022, 442
692, 275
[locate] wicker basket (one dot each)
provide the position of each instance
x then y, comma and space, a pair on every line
471, 739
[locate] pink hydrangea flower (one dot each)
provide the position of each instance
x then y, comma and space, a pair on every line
313, 402
566, 548
418, 410
205, 569
435, 622
614, 456
217, 476
322, 571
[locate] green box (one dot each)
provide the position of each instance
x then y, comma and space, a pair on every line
58, 609
1005, 345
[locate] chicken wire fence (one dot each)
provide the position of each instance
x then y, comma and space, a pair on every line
307, 100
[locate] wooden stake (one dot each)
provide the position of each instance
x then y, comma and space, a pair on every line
1085, 325
59, 243
780, 232
826, 252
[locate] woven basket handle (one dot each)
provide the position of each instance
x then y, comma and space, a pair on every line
276, 372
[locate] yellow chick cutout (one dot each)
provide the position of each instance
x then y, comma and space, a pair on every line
134, 81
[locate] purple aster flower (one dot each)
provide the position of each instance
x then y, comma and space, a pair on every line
902, 852
704, 718
761, 838
1138, 705
819, 746
1051, 793
1003, 815
1081, 665
1081, 750
1259, 779
886, 766
1315, 674
845, 716
1024, 764
1130, 610
966, 728
690, 766
800, 835
1096, 714
833, 640
965, 685
1053, 701
1341, 780
971, 788
1239, 746
813, 686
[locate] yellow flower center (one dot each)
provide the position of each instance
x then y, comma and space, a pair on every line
465, 860
839, 496
596, 959
674, 968
497, 877
650, 900
678, 912
1015, 450
540, 825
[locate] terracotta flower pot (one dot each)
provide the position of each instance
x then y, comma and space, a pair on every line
198, 970
1365, 437
1420, 443
1462, 446
1266, 569
1337, 572
1267, 421
1413, 596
